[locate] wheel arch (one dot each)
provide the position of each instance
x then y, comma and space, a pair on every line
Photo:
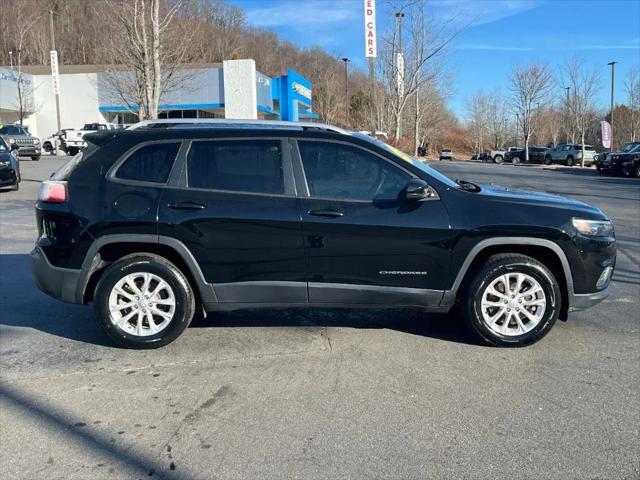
110, 248
545, 251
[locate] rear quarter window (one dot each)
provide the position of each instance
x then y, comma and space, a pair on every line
149, 163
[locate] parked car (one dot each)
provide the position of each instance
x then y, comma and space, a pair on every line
446, 154
29, 146
570, 154
516, 156
615, 162
245, 214
74, 141
496, 156
9, 166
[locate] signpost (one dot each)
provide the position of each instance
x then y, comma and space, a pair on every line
371, 51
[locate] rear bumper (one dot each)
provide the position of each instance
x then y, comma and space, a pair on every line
59, 283
582, 301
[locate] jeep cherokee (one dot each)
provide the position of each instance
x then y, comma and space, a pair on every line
151, 222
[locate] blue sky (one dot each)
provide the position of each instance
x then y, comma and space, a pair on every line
503, 34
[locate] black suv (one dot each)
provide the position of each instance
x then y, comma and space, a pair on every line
149, 223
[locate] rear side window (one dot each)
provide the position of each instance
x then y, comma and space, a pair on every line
151, 163
238, 165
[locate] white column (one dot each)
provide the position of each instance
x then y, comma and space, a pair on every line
240, 96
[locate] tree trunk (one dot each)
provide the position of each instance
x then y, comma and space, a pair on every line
157, 74
148, 87
582, 159
416, 125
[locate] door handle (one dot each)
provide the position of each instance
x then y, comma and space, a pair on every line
186, 206
329, 212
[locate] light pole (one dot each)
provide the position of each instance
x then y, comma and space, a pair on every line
399, 59
57, 93
566, 110
613, 88
346, 88
11, 60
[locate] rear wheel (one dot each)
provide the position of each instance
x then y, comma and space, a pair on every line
512, 301
498, 159
143, 301
570, 161
547, 160
515, 160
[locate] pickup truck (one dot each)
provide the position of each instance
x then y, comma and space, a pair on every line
73, 138
570, 154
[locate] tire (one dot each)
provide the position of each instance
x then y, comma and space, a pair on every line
515, 160
547, 160
635, 172
498, 159
570, 161
136, 267
35, 158
72, 151
541, 316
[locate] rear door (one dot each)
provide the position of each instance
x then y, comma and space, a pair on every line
235, 208
364, 244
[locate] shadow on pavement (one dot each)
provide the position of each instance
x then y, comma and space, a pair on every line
23, 305
101, 443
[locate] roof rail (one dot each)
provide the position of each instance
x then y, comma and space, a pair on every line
227, 123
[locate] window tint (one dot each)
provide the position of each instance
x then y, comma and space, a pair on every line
151, 163
237, 165
13, 130
336, 170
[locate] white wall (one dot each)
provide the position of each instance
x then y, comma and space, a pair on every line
78, 103
240, 96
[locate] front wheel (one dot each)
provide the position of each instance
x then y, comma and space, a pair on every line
498, 159
635, 171
143, 301
547, 160
515, 160
512, 301
35, 158
570, 162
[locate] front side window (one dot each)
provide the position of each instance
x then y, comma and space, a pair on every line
151, 163
236, 165
335, 170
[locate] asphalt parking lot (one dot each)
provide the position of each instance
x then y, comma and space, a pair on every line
323, 393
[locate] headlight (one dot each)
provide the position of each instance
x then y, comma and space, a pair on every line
36, 141
4, 163
593, 228
12, 140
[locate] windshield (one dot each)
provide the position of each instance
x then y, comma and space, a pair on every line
628, 147
408, 158
635, 149
12, 130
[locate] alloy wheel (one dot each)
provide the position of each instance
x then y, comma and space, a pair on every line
141, 304
513, 304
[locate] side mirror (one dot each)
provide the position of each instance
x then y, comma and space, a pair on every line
14, 146
417, 189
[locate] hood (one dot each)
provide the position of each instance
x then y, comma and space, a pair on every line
500, 192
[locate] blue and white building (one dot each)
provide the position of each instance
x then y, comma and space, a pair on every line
88, 94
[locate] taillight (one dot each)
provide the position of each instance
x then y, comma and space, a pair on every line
52, 192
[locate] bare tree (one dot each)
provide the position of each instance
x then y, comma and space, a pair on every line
497, 120
529, 86
150, 51
402, 83
584, 85
477, 112
632, 87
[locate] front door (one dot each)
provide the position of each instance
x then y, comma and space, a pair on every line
236, 211
364, 243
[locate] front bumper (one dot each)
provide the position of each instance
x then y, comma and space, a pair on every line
8, 177
59, 283
29, 151
582, 301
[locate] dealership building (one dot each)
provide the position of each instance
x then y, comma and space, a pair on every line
96, 94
